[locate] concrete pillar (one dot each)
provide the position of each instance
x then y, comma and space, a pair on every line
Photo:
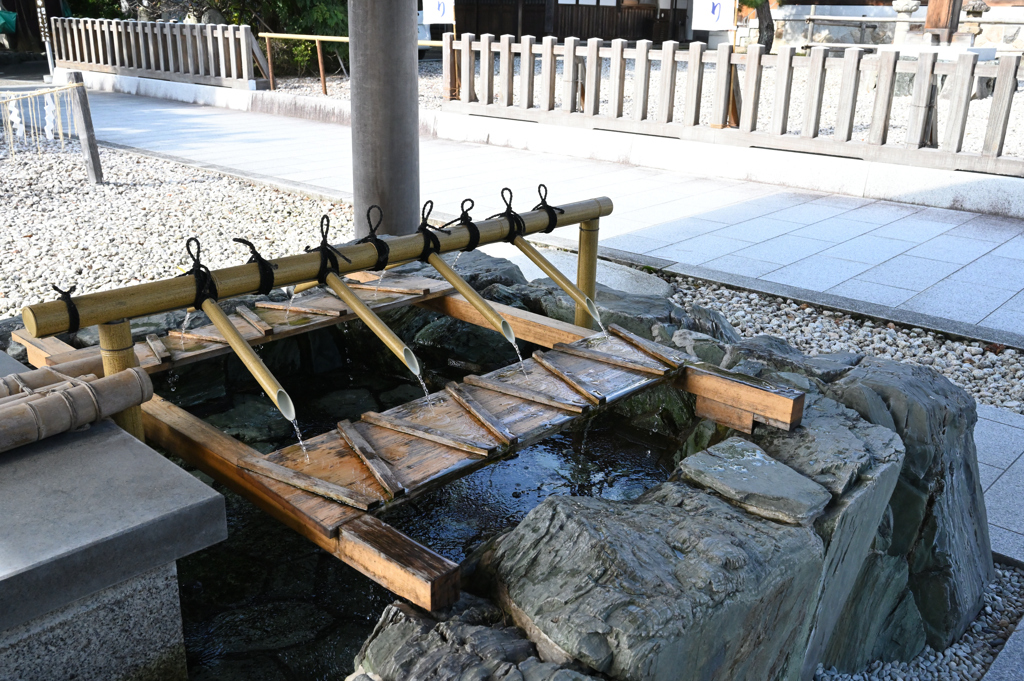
385, 112
904, 10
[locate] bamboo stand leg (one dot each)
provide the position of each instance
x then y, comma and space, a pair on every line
270, 64
474, 298
320, 58
118, 353
271, 386
379, 328
582, 299
586, 269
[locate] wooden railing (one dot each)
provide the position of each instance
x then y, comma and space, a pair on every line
206, 54
523, 95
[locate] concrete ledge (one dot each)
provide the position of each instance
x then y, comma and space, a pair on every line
83, 511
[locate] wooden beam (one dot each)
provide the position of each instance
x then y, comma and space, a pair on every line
254, 320
488, 420
527, 326
317, 486
645, 346
524, 394
158, 347
588, 393
780, 407
725, 414
607, 358
40, 348
378, 467
427, 433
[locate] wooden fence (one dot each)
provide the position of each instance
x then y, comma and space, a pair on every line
206, 54
523, 94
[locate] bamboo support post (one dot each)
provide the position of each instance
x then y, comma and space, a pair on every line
474, 298
270, 63
320, 59
586, 269
47, 319
271, 386
582, 299
118, 352
379, 328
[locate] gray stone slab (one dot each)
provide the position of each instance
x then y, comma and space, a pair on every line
869, 248
1010, 661
1007, 546
741, 472
998, 444
9, 365
759, 229
985, 228
872, 292
675, 231
953, 300
1003, 499
83, 511
785, 249
956, 249
818, 272
993, 270
737, 264
1014, 248
913, 228
989, 474
906, 271
999, 415
953, 217
836, 230
1004, 319
808, 213
700, 249
881, 212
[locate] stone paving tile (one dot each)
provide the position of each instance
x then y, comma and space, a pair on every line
880, 294
818, 273
881, 212
1011, 545
955, 249
845, 202
747, 267
950, 299
634, 243
989, 474
953, 217
675, 231
836, 230
758, 229
913, 229
1014, 248
1003, 499
1004, 320
808, 213
699, 249
986, 230
993, 270
869, 249
738, 212
906, 271
998, 444
999, 415
784, 250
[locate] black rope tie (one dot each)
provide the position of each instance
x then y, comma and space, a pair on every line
552, 211
73, 318
206, 288
465, 221
265, 266
328, 253
383, 250
516, 225
431, 244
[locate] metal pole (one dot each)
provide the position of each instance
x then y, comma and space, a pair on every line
586, 269
385, 112
118, 353
320, 60
270, 64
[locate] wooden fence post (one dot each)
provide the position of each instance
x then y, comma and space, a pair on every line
526, 67
468, 68
723, 87
641, 79
922, 101
505, 70
570, 76
270, 63
547, 73
618, 77
694, 84
667, 90
999, 117
451, 87
592, 105
320, 62
959, 101
783, 89
815, 92
486, 69
751, 88
884, 90
848, 94
83, 121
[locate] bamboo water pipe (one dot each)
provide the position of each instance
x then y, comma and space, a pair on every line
46, 319
271, 386
474, 298
369, 317
582, 299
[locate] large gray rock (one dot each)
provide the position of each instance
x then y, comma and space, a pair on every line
713, 323
781, 356
476, 267
252, 419
637, 313
939, 518
741, 472
677, 580
466, 643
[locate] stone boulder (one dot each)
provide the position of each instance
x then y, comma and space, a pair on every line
783, 357
676, 580
252, 419
467, 642
476, 267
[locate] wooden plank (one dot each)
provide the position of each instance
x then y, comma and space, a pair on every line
667, 91
39, 349
651, 348
505, 70
427, 433
727, 415
959, 101
217, 455
398, 563
781, 407
254, 320
587, 392
210, 334
885, 88
723, 86
378, 467
815, 92
378, 288
751, 88
618, 78
608, 358
157, 346
1002, 98
524, 393
480, 413
694, 84
526, 72
302, 481
848, 94
641, 79
527, 326
922, 101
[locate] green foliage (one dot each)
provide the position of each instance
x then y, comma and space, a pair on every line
302, 53
96, 9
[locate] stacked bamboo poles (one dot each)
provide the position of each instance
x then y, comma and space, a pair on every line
41, 379
46, 319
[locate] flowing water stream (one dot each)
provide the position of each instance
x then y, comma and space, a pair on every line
376, 288
184, 327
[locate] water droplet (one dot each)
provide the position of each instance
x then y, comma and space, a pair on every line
455, 264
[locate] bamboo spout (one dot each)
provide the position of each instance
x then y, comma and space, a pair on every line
250, 359
582, 299
474, 298
379, 328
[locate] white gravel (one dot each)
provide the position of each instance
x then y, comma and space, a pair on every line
969, 658
55, 228
992, 374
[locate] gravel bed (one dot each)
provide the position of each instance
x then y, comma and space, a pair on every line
992, 374
431, 97
969, 658
55, 228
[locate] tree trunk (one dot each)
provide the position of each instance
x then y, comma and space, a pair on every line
765, 26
